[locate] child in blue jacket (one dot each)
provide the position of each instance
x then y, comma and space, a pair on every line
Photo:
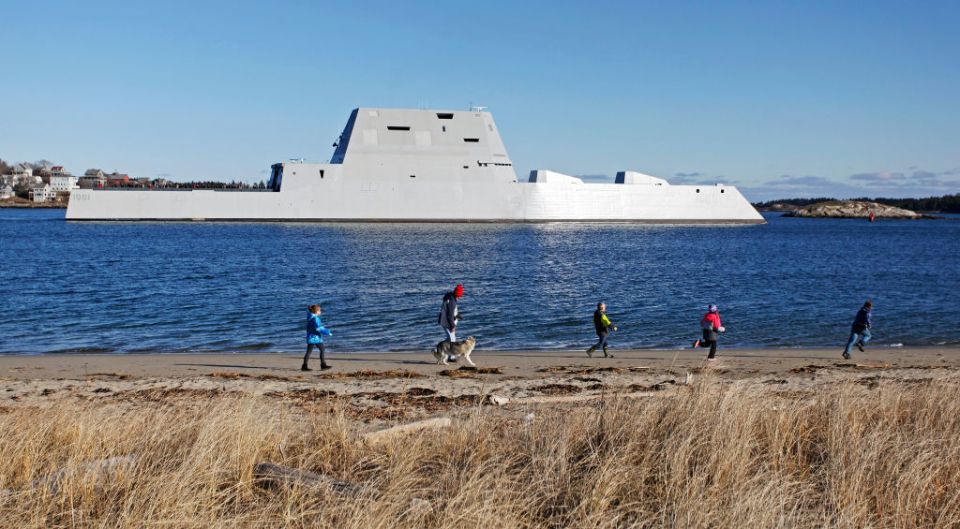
315, 333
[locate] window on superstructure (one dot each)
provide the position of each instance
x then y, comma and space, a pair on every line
472, 140
444, 115
397, 127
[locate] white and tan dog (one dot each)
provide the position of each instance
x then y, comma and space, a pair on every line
457, 349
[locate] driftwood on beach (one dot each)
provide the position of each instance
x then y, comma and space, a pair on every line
403, 429
97, 472
270, 475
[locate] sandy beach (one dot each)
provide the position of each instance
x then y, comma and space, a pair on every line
375, 382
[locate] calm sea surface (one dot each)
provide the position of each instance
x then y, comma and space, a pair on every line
177, 287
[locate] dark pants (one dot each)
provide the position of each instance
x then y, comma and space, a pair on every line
320, 348
709, 340
601, 341
857, 336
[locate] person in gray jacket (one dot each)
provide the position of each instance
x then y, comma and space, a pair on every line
450, 313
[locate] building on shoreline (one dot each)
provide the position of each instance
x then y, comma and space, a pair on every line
116, 179
42, 194
21, 179
61, 181
93, 179
6, 192
21, 171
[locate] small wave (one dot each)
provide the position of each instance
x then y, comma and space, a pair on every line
254, 346
82, 350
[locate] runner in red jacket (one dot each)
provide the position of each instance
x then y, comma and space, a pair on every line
711, 326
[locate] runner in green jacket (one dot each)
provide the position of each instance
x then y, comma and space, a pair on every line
603, 325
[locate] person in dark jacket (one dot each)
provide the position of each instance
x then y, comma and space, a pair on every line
860, 330
315, 333
450, 312
450, 315
711, 327
602, 325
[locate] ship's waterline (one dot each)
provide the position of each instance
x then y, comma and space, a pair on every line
401, 165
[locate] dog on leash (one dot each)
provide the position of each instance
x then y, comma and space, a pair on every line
455, 349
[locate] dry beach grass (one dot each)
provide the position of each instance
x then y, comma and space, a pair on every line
712, 454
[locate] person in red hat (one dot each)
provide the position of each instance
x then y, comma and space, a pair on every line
450, 313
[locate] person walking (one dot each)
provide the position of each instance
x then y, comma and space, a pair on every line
450, 312
450, 315
602, 325
860, 330
315, 333
711, 328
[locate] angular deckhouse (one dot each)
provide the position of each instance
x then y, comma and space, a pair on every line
423, 166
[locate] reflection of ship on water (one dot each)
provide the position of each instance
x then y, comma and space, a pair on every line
423, 165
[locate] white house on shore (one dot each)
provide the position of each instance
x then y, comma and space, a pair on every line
62, 181
21, 175
6, 192
42, 194
22, 171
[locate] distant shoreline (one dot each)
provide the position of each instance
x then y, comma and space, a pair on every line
31, 205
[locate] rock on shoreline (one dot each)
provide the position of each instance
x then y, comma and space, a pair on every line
851, 209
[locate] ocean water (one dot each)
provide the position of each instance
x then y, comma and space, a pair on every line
178, 287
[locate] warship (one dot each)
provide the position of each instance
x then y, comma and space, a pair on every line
405, 165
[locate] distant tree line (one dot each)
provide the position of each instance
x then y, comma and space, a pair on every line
210, 184
943, 204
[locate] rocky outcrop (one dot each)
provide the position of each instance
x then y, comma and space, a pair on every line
851, 209
778, 207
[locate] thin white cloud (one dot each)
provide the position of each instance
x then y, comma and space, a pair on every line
699, 178
879, 177
919, 177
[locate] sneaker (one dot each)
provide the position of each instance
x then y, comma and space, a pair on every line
590, 352
696, 344
606, 354
305, 368
711, 358
860, 346
325, 367
846, 356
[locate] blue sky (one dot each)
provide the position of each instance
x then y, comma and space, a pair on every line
780, 98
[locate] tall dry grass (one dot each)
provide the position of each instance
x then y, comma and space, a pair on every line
707, 457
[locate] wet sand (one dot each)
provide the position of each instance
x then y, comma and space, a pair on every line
737, 363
